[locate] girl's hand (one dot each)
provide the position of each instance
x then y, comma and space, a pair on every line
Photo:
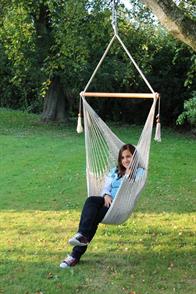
107, 200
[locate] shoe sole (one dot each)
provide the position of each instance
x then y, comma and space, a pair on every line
77, 243
62, 265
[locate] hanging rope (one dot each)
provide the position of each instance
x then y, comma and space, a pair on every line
79, 128
102, 145
116, 36
114, 15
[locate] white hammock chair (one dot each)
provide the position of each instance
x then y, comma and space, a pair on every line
102, 147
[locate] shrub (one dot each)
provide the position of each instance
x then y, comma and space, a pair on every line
189, 113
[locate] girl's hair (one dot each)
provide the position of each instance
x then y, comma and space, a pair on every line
120, 168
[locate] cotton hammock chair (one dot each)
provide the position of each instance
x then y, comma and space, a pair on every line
102, 145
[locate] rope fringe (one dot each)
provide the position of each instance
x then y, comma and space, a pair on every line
157, 136
79, 128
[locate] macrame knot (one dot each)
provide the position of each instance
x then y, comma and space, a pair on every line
79, 128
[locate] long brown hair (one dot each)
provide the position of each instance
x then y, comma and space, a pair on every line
120, 168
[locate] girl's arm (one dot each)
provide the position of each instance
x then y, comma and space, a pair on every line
107, 186
106, 192
107, 200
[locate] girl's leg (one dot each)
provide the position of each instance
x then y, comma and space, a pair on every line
78, 251
89, 215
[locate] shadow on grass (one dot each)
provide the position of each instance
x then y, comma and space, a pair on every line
108, 272
151, 253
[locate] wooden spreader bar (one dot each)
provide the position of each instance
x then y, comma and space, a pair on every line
120, 95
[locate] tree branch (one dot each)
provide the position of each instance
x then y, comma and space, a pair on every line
175, 20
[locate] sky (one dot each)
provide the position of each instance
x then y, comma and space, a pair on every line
126, 3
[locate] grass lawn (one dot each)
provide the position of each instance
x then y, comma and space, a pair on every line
43, 188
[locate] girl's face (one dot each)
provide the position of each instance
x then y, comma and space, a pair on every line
126, 158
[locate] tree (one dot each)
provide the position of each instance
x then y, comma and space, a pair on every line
178, 20
60, 31
49, 49
44, 43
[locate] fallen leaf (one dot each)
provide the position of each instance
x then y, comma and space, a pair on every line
50, 276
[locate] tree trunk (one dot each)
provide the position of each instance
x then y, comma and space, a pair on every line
55, 104
175, 20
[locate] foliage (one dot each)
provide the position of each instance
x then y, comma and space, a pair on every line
189, 112
45, 39
188, 6
43, 187
68, 53
191, 74
18, 51
140, 14
38, 38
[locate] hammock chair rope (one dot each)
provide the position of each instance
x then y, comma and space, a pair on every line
102, 145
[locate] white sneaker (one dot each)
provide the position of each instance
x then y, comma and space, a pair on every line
68, 261
78, 240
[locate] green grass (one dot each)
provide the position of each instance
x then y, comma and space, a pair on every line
43, 188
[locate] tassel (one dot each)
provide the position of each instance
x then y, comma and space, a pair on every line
157, 136
79, 128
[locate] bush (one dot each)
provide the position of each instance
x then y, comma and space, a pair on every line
189, 113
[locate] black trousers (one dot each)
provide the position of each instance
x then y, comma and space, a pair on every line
92, 214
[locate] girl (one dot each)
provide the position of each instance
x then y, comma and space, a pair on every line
96, 207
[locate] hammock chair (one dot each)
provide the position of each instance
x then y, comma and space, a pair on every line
102, 145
